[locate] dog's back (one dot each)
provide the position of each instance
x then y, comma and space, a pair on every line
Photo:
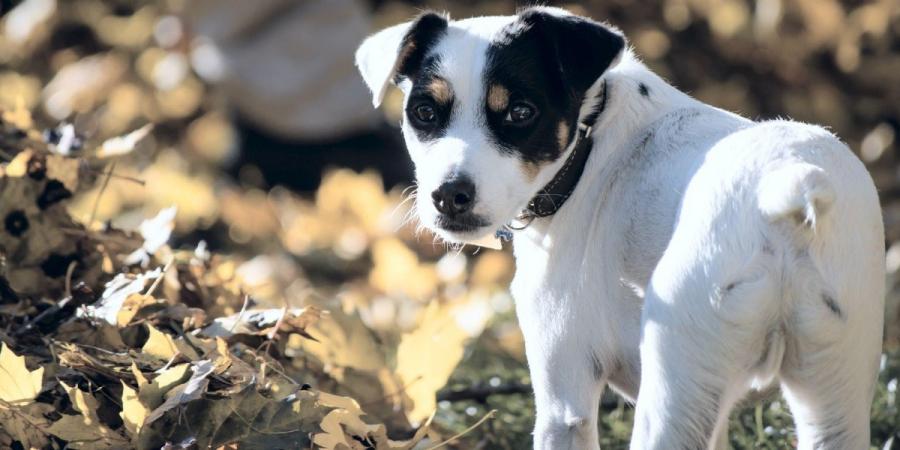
775, 270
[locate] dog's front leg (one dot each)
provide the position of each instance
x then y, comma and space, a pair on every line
567, 397
566, 378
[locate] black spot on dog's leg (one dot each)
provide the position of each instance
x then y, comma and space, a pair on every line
644, 90
597, 366
832, 305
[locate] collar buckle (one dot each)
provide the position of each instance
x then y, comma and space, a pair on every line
585, 129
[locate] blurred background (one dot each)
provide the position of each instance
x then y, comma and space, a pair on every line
264, 138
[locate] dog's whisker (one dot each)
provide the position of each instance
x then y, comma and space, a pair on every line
405, 198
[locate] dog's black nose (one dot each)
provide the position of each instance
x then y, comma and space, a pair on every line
454, 197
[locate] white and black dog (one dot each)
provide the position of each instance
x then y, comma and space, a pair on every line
660, 243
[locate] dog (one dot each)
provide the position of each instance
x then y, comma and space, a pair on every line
679, 253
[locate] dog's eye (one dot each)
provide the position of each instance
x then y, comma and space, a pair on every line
521, 113
425, 113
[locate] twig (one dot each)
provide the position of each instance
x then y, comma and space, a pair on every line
277, 370
95, 236
240, 316
396, 393
103, 186
99, 349
122, 177
489, 415
258, 430
69, 271
480, 393
169, 364
47, 312
158, 281
274, 330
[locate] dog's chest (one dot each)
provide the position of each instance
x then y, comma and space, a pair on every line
562, 277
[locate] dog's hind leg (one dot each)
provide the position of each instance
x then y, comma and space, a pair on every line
710, 328
835, 284
694, 367
833, 347
830, 394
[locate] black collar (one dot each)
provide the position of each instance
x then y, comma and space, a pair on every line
555, 193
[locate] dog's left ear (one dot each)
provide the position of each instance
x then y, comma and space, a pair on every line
584, 49
397, 52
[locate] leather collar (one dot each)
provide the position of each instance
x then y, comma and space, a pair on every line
555, 193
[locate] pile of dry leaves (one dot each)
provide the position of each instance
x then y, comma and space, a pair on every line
113, 339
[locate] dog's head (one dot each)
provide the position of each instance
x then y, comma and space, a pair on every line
491, 105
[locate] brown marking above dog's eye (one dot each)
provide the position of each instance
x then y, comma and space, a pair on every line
498, 98
440, 90
562, 134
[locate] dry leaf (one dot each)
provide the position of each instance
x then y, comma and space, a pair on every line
132, 305
259, 321
253, 421
343, 428
427, 356
65, 170
159, 344
85, 431
164, 347
117, 290
20, 117
156, 232
152, 394
18, 385
134, 413
123, 145
26, 423
192, 390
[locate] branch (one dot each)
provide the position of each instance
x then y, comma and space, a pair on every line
480, 392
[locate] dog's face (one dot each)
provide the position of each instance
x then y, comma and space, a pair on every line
491, 106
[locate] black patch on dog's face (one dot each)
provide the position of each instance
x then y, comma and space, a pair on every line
421, 37
431, 93
546, 63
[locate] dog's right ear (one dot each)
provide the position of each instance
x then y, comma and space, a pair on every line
398, 52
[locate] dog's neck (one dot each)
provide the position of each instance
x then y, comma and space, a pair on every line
636, 97
555, 193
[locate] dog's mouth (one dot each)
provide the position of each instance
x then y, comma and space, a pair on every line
461, 224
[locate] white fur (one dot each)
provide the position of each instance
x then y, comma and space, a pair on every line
701, 255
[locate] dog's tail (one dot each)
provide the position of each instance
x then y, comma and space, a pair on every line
798, 193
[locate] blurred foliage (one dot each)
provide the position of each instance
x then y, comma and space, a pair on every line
244, 304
